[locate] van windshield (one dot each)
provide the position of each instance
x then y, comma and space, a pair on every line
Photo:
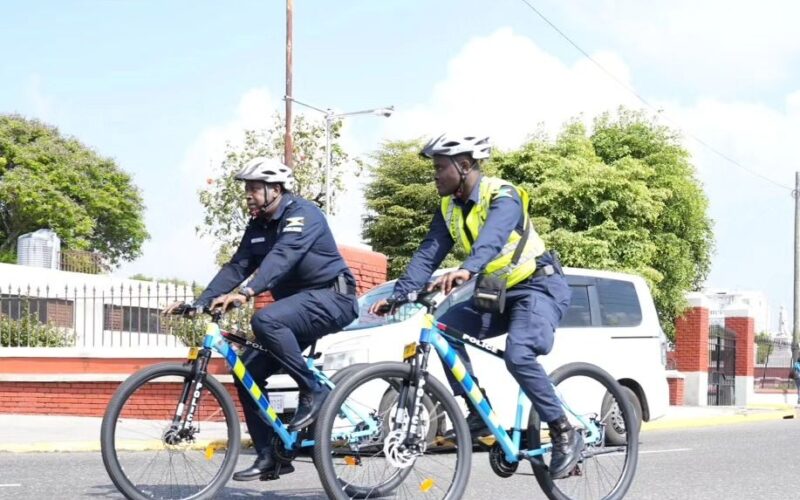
367, 320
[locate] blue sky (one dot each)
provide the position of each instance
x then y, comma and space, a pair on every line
161, 86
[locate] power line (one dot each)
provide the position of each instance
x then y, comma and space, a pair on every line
647, 103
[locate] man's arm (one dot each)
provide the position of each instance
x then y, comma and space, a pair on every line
294, 241
241, 265
504, 215
434, 248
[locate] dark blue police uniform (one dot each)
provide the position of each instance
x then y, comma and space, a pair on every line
298, 262
534, 307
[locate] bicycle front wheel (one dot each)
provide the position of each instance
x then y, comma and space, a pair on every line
363, 448
604, 471
148, 459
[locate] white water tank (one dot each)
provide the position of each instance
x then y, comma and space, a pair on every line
39, 249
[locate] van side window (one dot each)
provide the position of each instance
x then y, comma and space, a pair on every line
619, 304
578, 313
366, 320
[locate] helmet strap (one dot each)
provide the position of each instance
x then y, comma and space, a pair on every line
268, 203
462, 175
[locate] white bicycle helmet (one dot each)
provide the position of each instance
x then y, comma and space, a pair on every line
478, 147
267, 170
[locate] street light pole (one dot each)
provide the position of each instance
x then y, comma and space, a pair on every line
328, 161
330, 116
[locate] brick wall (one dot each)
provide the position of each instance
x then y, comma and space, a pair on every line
745, 343
368, 267
691, 340
676, 388
90, 399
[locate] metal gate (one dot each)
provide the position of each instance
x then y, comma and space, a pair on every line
721, 366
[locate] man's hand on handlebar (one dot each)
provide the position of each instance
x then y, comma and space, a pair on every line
382, 307
448, 281
228, 301
180, 308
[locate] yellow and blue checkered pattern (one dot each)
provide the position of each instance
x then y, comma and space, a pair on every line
453, 362
247, 381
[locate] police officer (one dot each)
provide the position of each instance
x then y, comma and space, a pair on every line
489, 216
290, 244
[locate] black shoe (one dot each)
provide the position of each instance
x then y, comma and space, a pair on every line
567, 447
265, 468
310, 403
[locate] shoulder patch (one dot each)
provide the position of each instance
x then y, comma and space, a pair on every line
294, 225
505, 191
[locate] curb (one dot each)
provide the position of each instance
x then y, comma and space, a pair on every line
779, 412
94, 446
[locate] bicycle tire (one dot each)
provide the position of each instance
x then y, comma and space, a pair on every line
323, 452
112, 418
555, 489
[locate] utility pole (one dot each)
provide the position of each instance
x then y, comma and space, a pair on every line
287, 140
796, 315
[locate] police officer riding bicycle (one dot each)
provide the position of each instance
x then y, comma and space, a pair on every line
520, 287
289, 244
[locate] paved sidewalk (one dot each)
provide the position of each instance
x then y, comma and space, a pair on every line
54, 433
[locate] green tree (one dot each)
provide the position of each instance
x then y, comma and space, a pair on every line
624, 198
764, 347
226, 213
51, 181
401, 200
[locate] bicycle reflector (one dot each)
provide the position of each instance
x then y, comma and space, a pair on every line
426, 485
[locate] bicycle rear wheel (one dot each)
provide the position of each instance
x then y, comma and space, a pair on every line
146, 459
372, 458
604, 471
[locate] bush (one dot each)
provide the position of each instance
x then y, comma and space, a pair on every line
192, 331
28, 331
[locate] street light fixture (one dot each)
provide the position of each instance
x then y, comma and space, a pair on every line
330, 117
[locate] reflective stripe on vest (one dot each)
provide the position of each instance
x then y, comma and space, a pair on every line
500, 266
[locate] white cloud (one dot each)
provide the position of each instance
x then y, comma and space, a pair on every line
505, 86
42, 104
254, 111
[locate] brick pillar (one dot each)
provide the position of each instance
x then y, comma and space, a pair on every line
691, 349
676, 389
368, 267
739, 319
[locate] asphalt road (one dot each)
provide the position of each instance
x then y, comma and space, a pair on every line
745, 461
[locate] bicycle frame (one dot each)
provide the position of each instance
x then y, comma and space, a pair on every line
216, 340
433, 333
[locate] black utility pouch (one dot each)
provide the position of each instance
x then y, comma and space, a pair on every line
490, 294
490, 291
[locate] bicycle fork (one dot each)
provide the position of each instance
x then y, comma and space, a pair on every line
181, 423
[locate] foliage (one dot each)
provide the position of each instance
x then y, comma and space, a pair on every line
226, 213
401, 200
196, 289
191, 331
28, 331
623, 197
51, 181
764, 347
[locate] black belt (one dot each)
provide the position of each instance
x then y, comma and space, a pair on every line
341, 285
547, 270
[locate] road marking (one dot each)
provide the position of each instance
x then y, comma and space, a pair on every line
672, 450
9, 485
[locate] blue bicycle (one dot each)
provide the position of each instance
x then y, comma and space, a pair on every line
424, 438
172, 431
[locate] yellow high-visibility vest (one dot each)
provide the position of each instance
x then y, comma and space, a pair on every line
501, 266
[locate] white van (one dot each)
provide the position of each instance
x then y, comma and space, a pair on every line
611, 323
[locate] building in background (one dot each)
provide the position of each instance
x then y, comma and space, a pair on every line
724, 298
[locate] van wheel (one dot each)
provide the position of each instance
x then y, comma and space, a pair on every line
615, 430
